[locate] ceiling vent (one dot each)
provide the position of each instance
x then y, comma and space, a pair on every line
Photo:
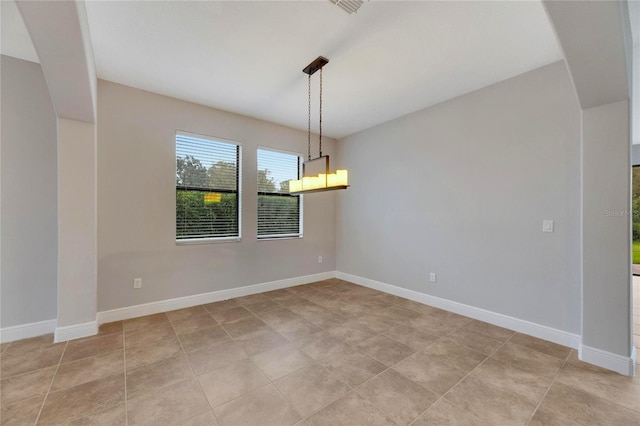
349, 6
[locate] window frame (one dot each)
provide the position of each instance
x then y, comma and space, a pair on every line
238, 192
300, 197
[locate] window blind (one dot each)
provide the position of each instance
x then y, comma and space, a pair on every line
207, 188
279, 213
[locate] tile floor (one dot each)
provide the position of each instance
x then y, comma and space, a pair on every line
328, 353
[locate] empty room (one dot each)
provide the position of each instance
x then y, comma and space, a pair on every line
323, 212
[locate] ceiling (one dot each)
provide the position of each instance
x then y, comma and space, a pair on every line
389, 59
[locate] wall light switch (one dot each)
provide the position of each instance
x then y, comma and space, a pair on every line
547, 226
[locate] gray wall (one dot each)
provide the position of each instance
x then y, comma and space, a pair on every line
136, 204
462, 188
29, 196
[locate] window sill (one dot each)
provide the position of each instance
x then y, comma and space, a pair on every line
194, 241
296, 237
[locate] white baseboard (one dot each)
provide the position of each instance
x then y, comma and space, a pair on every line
24, 331
201, 299
620, 364
522, 326
76, 331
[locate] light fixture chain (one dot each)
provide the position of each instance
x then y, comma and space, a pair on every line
309, 120
320, 139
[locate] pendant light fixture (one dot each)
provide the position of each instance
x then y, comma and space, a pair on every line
325, 180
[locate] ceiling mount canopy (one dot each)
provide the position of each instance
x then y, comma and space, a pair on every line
324, 180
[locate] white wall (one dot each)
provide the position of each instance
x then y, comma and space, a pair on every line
462, 188
136, 204
29, 196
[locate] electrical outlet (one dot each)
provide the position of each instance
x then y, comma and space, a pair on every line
432, 277
137, 283
319, 259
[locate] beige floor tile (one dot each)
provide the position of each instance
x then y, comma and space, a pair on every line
110, 328
458, 356
402, 399
181, 314
377, 323
229, 382
4, 347
385, 350
146, 321
323, 319
297, 329
163, 348
27, 385
350, 332
481, 343
223, 305
279, 295
34, 344
21, 413
232, 314
352, 366
311, 388
444, 413
605, 384
260, 341
540, 345
83, 400
264, 406
252, 299
169, 406
510, 378
490, 403
214, 357
193, 323
321, 345
262, 306
112, 416
490, 330
433, 374
350, 410
244, 326
153, 376
148, 335
528, 360
30, 361
88, 369
208, 336
205, 419
432, 324
585, 408
543, 417
281, 361
278, 316
412, 337
91, 347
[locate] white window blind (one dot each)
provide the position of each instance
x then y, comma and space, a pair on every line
279, 213
207, 188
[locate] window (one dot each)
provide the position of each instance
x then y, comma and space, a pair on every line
207, 189
279, 213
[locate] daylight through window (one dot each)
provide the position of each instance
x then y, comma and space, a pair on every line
279, 213
207, 189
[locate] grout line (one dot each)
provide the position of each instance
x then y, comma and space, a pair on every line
566, 360
51, 383
190, 367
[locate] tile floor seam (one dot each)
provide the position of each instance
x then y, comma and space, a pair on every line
459, 381
195, 376
566, 360
51, 383
372, 403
